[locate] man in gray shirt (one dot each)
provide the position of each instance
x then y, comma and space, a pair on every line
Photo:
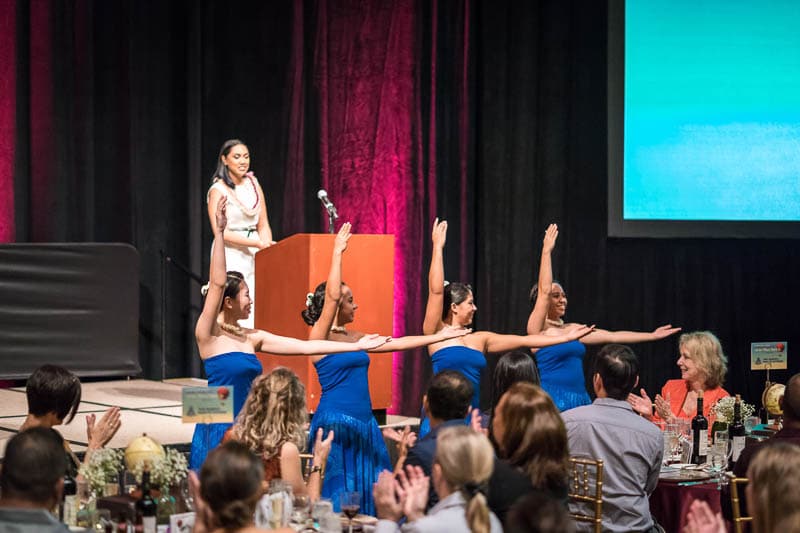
630, 446
32, 482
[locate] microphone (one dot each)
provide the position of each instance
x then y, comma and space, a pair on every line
326, 203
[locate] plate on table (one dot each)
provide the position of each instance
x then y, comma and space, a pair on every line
683, 474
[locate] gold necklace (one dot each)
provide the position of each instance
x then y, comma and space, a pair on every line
232, 329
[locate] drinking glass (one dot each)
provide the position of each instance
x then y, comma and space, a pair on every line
749, 423
321, 508
671, 443
300, 509
350, 503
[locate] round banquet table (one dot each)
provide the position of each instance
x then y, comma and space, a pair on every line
670, 502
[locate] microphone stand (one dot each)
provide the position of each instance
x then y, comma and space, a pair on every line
331, 218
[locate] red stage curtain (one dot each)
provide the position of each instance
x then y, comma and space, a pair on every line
8, 100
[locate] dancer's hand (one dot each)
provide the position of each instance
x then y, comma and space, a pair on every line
439, 234
641, 404
387, 506
98, 434
222, 218
371, 341
550, 236
340, 243
664, 331
578, 331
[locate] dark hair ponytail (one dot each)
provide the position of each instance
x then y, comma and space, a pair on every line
454, 293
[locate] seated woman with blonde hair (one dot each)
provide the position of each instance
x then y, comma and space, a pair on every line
703, 366
272, 423
461, 468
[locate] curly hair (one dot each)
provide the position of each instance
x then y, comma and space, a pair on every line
535, 438
274, 413
705, 349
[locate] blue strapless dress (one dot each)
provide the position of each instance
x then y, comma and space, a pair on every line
561, 372
237, 369
358, 453
469, 361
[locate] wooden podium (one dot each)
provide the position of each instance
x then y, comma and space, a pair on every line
287, 271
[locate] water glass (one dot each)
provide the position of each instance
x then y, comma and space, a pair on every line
671, 444
300, 509
321, 508
750, 422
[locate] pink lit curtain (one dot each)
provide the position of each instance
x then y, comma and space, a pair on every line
375, 84
8, 92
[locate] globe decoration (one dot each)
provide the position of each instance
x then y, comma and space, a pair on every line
770, 398
142, 449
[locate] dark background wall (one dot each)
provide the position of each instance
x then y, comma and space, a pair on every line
120, 108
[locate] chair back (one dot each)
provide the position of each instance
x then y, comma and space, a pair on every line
739, 519
586, 487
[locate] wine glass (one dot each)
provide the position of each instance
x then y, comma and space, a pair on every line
718, 457
350, 503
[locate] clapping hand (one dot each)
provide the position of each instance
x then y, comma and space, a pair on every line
322, 448
405, 439
701, 519
641, 404
98, 433
387, 505
412, 487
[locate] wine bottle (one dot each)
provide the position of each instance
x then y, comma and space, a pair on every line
146, 506
736, 431
699, 434
69, 504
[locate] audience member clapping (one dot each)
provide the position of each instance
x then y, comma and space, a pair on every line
272, 423
54, 394
460, 470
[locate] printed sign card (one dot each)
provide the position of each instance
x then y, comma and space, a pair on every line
208, 405
768, 355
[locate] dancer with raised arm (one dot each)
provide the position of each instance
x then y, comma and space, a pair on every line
561, 366
453, 305
228, 350
358, 453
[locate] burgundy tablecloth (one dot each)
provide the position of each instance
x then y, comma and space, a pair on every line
669, 503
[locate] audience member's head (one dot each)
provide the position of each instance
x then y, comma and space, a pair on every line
704, 350
449, 396
33, 468
790, 403
464, 461
231, 483
531, 435
274, 413
774, 488
538, 513
511, 368
618, 369
53, 389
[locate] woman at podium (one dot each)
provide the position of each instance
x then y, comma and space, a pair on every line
248, 228
453, 304
228, 350
358, 453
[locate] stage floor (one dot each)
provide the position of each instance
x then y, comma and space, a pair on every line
152, 407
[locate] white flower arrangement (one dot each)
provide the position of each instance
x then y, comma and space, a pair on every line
102, 467
166, 471
723, 409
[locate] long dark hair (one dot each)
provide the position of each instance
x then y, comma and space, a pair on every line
222, 171
314, 303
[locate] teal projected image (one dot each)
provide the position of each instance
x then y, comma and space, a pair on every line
712, 110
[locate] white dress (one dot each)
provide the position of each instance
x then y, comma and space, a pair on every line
242, 211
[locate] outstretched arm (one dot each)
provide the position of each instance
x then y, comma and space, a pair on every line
333, 287
538, 315
268, 342
433, 309
416, 341
602, 336
217, 277
494, 342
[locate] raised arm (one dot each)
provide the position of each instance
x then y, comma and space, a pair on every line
433, 309
602, 336
217, 276
263, 227
494, 342
333, 287
538, 315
